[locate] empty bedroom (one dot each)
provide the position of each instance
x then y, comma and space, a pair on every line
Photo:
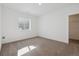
39, 29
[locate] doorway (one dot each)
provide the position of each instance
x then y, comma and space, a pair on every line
74, 27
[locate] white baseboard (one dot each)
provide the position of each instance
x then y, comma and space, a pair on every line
34, 37
66, 42
14, 40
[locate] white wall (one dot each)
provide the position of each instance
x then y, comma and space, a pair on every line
55, 24
0, 25
10, 26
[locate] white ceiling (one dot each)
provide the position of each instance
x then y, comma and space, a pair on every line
34, 8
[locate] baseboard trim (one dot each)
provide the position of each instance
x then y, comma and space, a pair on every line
54, 40
20, 40
35, 37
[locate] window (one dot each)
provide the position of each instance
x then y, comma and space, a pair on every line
24, 23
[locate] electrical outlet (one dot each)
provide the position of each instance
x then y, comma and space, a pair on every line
3, 37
